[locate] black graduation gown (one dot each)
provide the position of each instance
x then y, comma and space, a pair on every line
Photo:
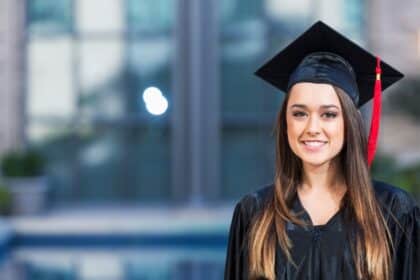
323, 252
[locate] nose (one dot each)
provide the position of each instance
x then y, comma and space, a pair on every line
313, 127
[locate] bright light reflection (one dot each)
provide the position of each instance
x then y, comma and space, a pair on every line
156, 103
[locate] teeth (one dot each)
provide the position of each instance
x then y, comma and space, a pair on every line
314, 143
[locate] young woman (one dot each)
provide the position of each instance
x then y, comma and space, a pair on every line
324, 217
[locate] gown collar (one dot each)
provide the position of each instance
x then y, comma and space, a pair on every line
301, 212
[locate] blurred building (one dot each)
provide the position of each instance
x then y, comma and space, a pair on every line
12, 49
394, 33
74, 75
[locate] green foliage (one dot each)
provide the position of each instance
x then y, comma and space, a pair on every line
5, 201
28, 163
385, 169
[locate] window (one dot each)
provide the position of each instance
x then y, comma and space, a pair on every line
87, 72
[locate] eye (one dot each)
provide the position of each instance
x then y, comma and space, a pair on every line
298, 114
330, 115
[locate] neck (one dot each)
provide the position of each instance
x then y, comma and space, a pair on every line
322, 178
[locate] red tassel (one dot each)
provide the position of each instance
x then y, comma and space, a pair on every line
376, 114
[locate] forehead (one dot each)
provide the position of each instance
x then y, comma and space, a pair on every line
313, 95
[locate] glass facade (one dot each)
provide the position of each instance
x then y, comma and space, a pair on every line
87, 71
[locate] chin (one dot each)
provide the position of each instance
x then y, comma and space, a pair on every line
314, 159
315, 162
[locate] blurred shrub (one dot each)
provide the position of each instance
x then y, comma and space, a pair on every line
5, 201
27, 163
384, 168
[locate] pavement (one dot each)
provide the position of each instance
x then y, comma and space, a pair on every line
125, 220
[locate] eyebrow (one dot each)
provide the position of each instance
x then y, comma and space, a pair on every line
322, 106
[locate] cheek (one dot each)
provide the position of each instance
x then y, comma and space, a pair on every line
337, 131
292, 130
294, 133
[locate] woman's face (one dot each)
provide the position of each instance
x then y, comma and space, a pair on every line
315, 125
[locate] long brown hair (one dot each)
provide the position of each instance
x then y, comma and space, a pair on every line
371, 249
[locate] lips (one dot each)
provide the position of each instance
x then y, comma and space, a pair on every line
313, 145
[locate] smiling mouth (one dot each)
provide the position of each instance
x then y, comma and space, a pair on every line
313, 144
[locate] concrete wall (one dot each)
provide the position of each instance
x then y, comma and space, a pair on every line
11, 73
394, 34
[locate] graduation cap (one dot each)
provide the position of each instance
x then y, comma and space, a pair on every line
323, 55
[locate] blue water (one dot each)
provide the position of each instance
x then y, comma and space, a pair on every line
183, 257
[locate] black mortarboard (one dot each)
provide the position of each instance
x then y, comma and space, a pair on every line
323, 55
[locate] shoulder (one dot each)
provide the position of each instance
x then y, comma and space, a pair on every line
253, 202
393, 198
